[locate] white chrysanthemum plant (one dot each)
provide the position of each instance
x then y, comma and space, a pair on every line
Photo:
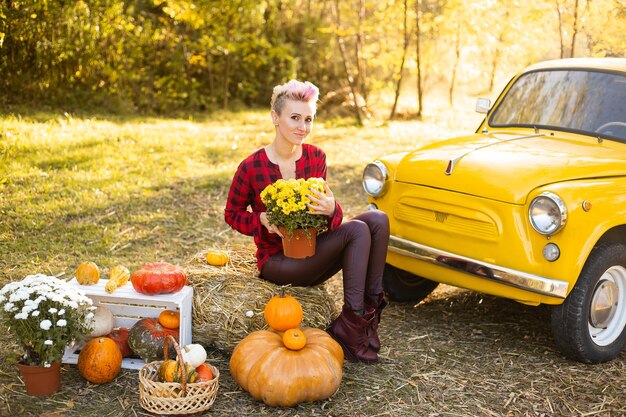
45, 314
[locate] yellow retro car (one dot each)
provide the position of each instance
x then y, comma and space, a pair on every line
530, 207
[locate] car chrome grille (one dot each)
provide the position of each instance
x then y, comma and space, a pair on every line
462, 221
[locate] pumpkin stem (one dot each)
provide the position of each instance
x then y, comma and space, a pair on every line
281, 290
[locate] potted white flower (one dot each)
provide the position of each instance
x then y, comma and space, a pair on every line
45, 314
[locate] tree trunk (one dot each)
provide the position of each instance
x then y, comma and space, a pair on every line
227, 59
558, 12
226, 81
210, 75
496, 54
457, 52
346, 67
494, 65
402, 61
418, 37
574, 29
360, 64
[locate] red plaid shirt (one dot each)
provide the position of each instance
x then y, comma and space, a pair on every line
254, 174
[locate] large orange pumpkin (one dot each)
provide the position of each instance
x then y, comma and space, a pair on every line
100, 360
283, 312
158, 278
269, 371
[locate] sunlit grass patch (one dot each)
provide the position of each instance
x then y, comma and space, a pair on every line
118, 190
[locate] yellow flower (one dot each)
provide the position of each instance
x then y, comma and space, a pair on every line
286, 203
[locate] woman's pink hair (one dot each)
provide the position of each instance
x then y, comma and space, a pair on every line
293, 90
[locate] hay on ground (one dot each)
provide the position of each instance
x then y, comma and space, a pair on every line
229, 301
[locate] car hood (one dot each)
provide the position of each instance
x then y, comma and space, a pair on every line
507, 166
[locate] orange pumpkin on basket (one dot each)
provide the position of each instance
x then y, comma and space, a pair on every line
171, 371
262, 365
158, 278
283, 312
204, 373
100, 360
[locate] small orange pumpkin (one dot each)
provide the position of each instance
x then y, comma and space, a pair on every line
100, 360
171, 371
294, 339
169, 319
87, 273
283, 312
204, 373
217, 257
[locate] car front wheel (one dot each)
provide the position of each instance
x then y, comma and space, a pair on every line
590, 325
404, 286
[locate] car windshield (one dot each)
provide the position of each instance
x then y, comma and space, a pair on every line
572, 100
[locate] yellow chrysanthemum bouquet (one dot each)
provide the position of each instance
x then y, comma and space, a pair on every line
285, 202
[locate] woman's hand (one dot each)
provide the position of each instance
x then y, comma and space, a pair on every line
322, 203
270, 227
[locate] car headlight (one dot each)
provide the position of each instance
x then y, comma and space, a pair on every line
547, 213
375, 179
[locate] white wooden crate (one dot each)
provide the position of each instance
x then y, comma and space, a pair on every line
128, 306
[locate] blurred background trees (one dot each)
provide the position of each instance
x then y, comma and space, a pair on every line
369, 57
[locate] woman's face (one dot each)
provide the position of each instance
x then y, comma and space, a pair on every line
295, 121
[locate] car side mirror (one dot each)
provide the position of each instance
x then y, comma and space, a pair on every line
483, 105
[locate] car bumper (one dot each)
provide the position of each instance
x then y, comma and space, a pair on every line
506, 276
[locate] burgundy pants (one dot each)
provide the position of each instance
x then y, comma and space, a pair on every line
358, 247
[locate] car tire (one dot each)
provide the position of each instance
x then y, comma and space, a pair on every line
404, 286
590, 325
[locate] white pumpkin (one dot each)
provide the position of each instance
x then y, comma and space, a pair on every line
102, 322
194, 354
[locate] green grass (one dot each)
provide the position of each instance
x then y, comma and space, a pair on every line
137, 190
112, 190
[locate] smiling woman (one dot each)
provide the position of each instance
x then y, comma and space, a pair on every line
357, 246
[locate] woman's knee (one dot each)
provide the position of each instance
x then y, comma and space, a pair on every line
376, 220
357, 229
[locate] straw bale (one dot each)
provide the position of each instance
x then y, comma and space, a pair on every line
229, 301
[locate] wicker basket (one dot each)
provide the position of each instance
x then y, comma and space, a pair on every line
173, 397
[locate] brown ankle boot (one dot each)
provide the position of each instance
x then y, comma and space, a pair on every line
372, 314
350, 331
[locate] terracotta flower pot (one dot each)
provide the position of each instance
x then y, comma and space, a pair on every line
300, 243
41, 381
